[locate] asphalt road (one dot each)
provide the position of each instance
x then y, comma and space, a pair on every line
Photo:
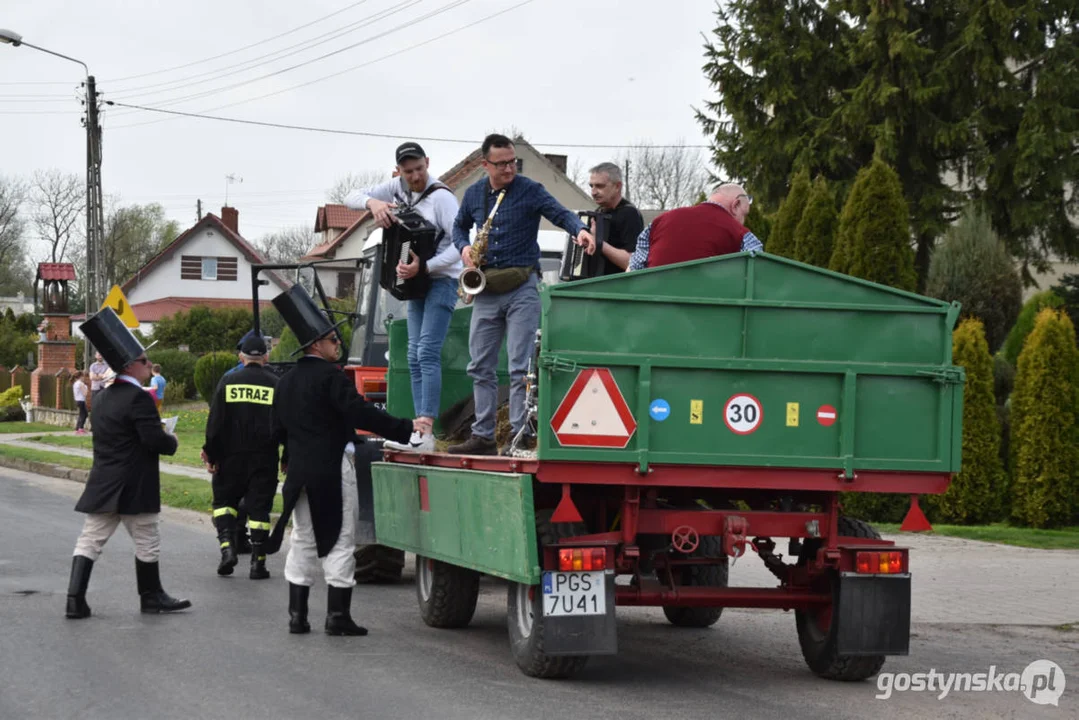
231, 655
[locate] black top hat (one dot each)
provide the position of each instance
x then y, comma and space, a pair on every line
117, 345
303, 316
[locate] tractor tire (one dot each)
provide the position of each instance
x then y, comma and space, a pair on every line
524, 614
816, 631
447, 593
701, 576
378, 564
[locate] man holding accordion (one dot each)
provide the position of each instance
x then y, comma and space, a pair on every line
428, 278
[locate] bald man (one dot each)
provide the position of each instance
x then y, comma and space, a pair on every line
713, 227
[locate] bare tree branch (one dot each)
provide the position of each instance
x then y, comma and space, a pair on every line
58, 201
354, 181
665, 178
286, 245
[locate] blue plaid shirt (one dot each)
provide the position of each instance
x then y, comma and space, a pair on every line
514, 231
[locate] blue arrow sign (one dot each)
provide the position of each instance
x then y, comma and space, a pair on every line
659, 410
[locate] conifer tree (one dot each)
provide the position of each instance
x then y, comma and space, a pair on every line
974, 494
1024, 324
815, 235
789, 215
874, 232
1043, 440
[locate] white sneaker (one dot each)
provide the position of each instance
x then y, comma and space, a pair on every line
419, 442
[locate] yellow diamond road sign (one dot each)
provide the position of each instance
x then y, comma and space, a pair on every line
119, 303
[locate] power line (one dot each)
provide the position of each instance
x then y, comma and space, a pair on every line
346, 70
238, 50
363, 133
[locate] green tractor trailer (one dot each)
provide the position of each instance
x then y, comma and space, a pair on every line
686, 416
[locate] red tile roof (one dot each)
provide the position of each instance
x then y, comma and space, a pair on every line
55, 271
336, 217
154, 310
210, 220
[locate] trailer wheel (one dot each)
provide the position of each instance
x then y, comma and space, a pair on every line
816, 631
524, 614
701, 576
447, 593
378, 564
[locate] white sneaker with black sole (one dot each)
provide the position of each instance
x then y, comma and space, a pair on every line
419, 442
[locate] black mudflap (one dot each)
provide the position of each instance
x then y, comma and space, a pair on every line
585, 634
873, 613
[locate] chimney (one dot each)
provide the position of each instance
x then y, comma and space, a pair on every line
231, 217
558, 160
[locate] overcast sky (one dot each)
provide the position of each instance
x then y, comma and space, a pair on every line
560, 71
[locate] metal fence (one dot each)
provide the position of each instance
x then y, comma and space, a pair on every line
65, 391
5, 378
21, 376
46, 391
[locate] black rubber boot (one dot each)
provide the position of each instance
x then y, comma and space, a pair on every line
338, 619
297, 609
226, 536
76, 588
152, 597
258, 562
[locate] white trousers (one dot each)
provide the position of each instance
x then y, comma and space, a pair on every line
99, 527
339, 566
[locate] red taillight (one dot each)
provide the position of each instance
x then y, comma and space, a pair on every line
570, 559
879, 563
373, 385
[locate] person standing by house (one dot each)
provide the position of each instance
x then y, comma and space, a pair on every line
79, 390
605, 182
713, 227
316, 413
99, 372
241, 452
157, 382
124, 484
428, 317
509, 307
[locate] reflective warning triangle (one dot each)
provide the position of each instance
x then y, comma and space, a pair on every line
593, 413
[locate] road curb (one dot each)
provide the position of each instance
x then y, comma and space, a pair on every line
44, 468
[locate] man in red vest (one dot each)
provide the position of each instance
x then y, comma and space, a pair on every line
711, 228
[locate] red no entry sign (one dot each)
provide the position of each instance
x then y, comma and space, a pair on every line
826, 415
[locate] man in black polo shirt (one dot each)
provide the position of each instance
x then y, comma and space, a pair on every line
626, 221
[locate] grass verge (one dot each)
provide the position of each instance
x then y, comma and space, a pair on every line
14, 428
176, 490
1059, 539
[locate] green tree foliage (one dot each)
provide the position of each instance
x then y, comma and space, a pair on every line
814, 237
1068, 291
781, 240
874, 233
875, 507
972, 266
133, 235
986, 93
1044, 403
759, 222
209, 369
178, 367
11, 397
974, 495
204, 329
288, 345
18, 338
1024, 324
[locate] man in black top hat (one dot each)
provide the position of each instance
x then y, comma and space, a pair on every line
124, 485
316, 414
241, 452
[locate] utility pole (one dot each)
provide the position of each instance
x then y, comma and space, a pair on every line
626, 188
95, 218
198, 209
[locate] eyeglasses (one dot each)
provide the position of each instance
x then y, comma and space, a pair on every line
502, 164
749, 198
144, 361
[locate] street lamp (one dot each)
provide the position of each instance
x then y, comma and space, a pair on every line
95, 220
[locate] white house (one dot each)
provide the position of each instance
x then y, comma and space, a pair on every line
207, 265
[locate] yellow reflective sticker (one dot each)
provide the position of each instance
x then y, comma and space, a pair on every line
792, 414
696, 412
258, 394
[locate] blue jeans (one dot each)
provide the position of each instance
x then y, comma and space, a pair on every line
428, 323
515, 316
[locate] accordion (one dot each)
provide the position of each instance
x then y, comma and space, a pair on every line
576, 263
409, 234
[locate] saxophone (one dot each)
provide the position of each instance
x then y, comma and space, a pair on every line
472, 280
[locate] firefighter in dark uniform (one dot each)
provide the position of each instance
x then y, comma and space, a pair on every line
241, 452
316, 414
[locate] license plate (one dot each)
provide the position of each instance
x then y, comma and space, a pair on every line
574, 593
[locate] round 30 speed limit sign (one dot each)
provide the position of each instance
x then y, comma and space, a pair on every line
743, 414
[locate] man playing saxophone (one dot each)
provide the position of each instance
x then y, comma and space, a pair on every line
509, 305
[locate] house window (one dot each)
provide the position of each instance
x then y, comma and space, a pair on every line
346, 285
520, 165
221, 268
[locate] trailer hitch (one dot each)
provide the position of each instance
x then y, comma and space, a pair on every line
735, 528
